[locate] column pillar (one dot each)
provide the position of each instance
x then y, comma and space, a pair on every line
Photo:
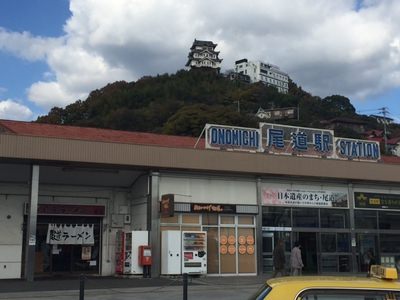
259, 229
353, 240
153, 222
30, 242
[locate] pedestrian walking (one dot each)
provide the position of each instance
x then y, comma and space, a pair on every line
371, 260
279, 259
296, 263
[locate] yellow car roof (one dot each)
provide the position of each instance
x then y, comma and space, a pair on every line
302, 282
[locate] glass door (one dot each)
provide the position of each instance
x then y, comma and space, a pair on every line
246, 250
308, 242
367, 249
228, 250
268, 248
212, 248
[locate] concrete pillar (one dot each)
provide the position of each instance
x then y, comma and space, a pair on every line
153, 222
353, 240
259, 229
30, 242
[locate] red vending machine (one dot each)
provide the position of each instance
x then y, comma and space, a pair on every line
127, 251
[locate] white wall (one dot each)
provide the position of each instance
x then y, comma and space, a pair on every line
205, 189
11, 234
139, 198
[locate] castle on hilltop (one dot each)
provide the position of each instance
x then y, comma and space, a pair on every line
203, 55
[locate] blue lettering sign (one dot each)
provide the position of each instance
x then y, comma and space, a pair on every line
321, 142
231, 137
299, 141
356, 149
275, 138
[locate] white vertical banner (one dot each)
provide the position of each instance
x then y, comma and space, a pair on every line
69, 234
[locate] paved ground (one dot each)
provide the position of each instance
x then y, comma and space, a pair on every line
107, 288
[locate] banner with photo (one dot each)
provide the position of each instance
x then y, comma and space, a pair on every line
305, 198
68, 234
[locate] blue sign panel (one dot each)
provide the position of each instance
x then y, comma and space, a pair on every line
290, 140
227, 137
301, 141
357, 149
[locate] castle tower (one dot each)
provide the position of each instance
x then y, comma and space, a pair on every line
203, 55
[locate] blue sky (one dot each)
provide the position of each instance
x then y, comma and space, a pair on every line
54, 52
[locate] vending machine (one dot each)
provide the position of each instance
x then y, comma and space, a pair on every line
127, 251
171, 252
194, 252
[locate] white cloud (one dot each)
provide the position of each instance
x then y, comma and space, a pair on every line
327, 47
27, 46
12, 110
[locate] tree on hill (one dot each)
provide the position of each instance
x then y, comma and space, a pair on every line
182, 103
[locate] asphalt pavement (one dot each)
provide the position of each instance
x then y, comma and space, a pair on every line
122, 288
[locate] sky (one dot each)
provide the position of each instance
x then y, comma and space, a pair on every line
54, 52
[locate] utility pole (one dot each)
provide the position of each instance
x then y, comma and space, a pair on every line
238, 106
384, 111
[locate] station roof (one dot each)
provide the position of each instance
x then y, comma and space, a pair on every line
97, 134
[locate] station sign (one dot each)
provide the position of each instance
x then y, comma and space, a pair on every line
290, 140
236, 138
300, 141
357, 149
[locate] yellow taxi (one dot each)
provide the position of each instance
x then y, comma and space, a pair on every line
381, 285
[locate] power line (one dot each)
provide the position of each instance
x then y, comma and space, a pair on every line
384, 111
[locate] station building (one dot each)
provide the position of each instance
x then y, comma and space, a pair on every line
98, 182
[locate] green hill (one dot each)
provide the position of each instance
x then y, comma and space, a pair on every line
182, 103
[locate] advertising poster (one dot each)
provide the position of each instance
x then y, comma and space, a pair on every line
303, 198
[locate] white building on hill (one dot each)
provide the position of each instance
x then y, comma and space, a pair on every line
264, 72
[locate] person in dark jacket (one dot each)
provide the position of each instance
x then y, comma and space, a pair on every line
279, 259
371, 261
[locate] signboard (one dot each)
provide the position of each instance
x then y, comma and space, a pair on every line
377, 201
303, 198
357, 149
290, 140
213, 208
70, 234
301, 141
277, 114
86, 253
235, 138
68, 210
167, 206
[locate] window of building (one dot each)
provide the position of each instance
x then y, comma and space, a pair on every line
276, 217
328, 242
305, 217
245, 220
389, 220
334, 218
343, 242
227, 219
190, 219
390, 243
209, 219
365, 219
